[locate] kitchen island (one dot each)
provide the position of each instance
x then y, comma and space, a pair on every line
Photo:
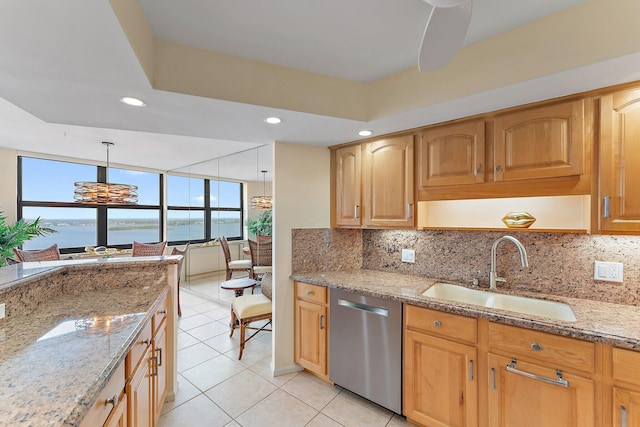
69, 326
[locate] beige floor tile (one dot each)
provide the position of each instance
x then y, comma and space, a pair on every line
212, 372
224, 342
222, 314
354, 411
194, 355
263, 368
190, 299
399, 421
209, 330
198, 412
193, 322
187, 311
277, 410
186, 391
233, 424
322, 420
311, 390
240, 392
185, 340
254, 352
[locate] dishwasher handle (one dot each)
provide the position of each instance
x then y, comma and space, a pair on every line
363, 307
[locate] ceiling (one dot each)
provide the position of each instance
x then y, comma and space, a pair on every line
65, 64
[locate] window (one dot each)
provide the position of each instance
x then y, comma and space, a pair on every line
46, 191
202, 210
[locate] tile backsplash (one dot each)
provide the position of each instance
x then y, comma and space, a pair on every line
559, 263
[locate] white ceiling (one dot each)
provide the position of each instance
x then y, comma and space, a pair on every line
64, 65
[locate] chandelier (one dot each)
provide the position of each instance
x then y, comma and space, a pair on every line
105, 193
264, 201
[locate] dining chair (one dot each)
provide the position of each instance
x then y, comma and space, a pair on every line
176, 251
235, 265
148, 249
260, 258
252, 308
52, 253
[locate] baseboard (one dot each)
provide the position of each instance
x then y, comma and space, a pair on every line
285, 370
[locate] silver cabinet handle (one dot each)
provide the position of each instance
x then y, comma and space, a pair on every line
558, 381
322, 321
145, 342
159, 350
163, 311
471, 370
409, 210
356, 211
113, 401
536, 347
309, 293
479, 170
623, 416
368, 308
607, 203
154, 367
437, 323
498, 168
493, 378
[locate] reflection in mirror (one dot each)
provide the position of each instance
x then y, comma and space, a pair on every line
208, 200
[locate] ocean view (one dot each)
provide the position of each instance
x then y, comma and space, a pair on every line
73, 233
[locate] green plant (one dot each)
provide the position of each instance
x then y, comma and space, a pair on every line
13, 236
261, 224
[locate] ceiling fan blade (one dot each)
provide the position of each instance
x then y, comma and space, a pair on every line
443, 36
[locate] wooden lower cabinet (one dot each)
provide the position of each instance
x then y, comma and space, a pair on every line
140, 393
311, 329
161, 369
525, 399
118, 417
625, 388
440, 386
626, 407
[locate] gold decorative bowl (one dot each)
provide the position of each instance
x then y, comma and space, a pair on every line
518, 220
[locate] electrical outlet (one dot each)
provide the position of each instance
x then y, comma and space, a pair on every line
608, 271
409, 255
2, 311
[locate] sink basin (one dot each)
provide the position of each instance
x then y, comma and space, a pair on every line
533, 306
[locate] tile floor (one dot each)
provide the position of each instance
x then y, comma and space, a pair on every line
215, 389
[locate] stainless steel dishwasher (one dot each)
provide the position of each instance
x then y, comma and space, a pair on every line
365, 351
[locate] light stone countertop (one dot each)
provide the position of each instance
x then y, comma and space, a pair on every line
57, 353
614, 324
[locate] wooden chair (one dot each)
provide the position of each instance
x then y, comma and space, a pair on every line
237, 265
261, 258
176, 251
251, 308
148, 249
52, 253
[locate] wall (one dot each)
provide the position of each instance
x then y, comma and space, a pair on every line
301, 199
559, 263
8, 183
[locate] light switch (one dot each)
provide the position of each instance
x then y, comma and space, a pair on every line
608, 271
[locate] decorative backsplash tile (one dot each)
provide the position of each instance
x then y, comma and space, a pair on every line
559, 263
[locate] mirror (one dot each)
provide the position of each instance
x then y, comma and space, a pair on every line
230, 181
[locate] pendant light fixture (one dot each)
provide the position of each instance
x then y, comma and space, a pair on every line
104, 193
262, 202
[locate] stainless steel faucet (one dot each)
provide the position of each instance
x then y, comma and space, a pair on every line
493, 275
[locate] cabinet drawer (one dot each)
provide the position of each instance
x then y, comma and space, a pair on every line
447, 325
104, 404
311, 293
137, 349
552, 350
160, 315
626, 365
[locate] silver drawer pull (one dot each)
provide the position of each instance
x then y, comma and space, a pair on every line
558, 381
163, 311
536, 347
471, 370
322, 321
113, 401
356, 211
409, 210
607, 207
493, 378
623, 416
309, 293
437, 324
145, 341
364, 307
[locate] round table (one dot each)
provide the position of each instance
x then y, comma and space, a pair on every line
239, 285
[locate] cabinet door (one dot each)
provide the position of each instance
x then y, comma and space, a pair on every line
140, 394
540, 142
160, 367
348, 178
626, 408
524, 401
311, 336
451, 155
620, 161
118, 417
440, 384
388, 183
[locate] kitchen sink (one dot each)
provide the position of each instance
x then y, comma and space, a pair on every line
533, 306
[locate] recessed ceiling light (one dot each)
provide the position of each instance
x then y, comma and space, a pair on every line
365, 133
133, 101
273, 120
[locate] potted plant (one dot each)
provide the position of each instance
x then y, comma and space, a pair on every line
13, 236
260, 225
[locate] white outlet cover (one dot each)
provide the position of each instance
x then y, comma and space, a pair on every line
608, 271
409, 255
2, 311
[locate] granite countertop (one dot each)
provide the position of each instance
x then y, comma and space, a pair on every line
597, 321
55, 359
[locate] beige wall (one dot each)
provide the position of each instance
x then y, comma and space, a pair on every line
8, 183
301, 199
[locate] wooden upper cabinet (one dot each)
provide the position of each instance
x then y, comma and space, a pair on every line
619, 186
540, 142
388, 199
451, 155
348, 186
